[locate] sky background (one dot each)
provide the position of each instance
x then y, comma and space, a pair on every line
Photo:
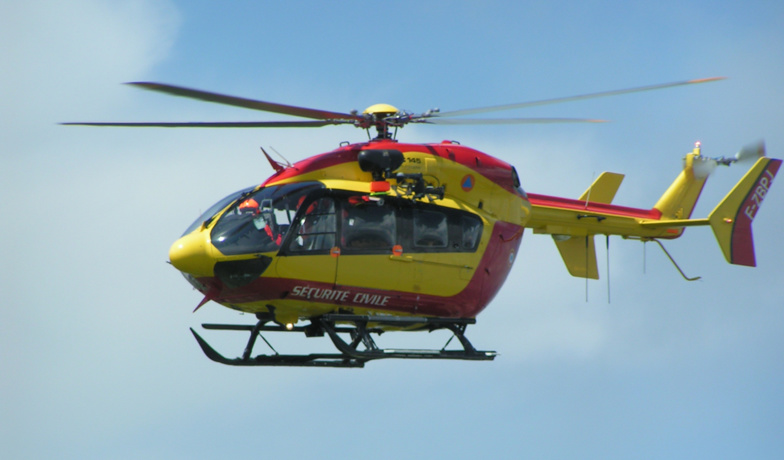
96, 360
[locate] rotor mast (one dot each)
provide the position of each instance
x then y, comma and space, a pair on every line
380, 115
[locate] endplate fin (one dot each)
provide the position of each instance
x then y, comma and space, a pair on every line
579, 255
603, 188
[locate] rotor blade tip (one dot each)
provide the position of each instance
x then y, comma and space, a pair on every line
143, 84
705, 80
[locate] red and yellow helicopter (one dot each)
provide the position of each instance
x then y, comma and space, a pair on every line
383, 235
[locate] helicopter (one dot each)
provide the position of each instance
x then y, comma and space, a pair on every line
382, 235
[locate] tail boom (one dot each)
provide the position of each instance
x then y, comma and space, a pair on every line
573, 223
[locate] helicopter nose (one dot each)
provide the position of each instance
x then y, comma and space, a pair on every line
191, 254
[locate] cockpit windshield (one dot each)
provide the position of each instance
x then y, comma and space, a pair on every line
258, 222
215, 209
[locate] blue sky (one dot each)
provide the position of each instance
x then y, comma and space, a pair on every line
97, 360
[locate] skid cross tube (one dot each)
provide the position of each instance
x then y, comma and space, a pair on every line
350, 354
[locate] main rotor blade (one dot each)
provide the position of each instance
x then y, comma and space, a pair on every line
242, 102
220, 124
504, 121
559, 100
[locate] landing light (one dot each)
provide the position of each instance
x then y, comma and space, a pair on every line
289, 326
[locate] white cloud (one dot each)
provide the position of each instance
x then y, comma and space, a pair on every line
61, 55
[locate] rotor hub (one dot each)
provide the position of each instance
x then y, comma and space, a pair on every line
381, 110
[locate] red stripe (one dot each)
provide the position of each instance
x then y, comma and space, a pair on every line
490, 275
742, 242
579, 205
314, 163
492, 168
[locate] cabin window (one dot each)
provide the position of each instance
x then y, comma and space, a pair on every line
430, 229
375, 227
362, 225
471, 231
369, 227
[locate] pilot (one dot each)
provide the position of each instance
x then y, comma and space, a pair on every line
249, 206
276, 237
261, 220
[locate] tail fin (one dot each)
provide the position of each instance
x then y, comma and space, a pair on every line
679, 199
731, 219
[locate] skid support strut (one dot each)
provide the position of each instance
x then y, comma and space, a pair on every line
361, 347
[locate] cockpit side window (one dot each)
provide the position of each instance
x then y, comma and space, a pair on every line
316, 228
258, 222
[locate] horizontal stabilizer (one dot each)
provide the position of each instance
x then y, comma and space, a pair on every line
603, 188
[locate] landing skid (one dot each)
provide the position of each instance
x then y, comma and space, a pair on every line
355, 353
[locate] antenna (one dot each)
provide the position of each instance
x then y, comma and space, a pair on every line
588, 194
607, 242
587, 255
288, 163
278, 167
